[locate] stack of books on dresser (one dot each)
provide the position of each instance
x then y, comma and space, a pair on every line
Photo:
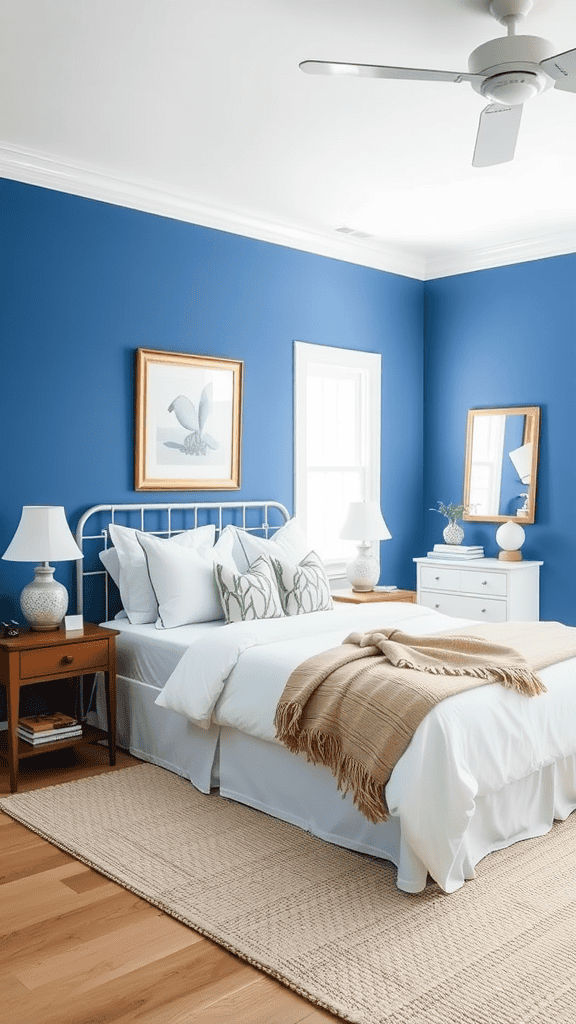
456, 552
46, 729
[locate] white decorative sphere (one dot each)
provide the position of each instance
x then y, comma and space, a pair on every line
510, 536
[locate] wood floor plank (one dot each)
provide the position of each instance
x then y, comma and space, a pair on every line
318, 1017
125, 999
34, 943
23, 905
85, 880
265, 1001
106, 957
24, 853
179, 1010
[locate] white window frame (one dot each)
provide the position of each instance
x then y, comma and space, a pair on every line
369, 366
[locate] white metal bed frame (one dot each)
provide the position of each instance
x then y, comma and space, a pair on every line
221, 513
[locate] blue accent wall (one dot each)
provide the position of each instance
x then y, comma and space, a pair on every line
83, 284
507, 337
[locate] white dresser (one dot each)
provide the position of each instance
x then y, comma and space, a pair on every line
480, 588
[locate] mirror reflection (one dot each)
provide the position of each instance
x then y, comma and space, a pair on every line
501, 464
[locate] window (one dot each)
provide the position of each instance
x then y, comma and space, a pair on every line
336, 443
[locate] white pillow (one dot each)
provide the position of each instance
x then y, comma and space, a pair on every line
183, 579
232, 534
304, 587
288, 542
136, 591
250, 595
111, 562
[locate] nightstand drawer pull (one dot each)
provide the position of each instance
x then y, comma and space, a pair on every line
86, 656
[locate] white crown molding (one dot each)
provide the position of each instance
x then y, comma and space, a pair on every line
32, 168
35, 169
560, 243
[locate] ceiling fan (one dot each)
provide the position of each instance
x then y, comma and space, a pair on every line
508, 71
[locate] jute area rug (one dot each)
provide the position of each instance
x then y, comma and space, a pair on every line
327, 922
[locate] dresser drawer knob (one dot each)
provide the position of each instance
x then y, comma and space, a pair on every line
484, 583
67, 659
436, 577
483, 611
436, 605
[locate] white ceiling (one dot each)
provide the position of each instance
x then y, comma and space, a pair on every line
197, 109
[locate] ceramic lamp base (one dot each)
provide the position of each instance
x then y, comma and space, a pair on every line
44, 601
363, 572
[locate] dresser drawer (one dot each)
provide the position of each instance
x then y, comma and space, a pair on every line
493, 583
433, 578
85, 657
465, 607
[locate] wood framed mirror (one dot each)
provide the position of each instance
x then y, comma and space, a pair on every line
501, 464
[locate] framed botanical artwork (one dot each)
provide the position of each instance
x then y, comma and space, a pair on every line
188, 422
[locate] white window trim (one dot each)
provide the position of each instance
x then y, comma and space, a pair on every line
370, 363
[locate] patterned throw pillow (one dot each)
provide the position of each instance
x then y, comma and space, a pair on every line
304, 587
250, 595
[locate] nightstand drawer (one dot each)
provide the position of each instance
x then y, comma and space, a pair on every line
85, 657
465, 607
439, 578
483, 582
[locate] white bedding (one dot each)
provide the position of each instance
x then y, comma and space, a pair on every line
469, 747
150, 655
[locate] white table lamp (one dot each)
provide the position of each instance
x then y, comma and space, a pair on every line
510, 538
364, 520
43, 535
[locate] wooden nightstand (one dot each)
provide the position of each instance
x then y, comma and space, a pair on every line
38, 657
366, 597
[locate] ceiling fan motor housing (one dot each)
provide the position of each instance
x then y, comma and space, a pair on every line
511, 65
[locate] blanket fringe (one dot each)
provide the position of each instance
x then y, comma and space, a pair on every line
522, 680
323, 748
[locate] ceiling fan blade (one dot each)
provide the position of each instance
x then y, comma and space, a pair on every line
497, 135
562, 68
324, 67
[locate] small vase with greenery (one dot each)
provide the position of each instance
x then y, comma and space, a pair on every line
453, 533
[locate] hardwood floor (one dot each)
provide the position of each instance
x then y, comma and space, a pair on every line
75, 948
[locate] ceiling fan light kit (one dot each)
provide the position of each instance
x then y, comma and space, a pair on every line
507, 71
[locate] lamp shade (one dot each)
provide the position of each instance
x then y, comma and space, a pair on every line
43, 535
364, 522
522, 461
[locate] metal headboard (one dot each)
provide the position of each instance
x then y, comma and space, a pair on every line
260, 517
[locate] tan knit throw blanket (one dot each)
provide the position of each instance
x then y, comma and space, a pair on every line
356, 707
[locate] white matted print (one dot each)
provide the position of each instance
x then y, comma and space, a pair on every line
188, 422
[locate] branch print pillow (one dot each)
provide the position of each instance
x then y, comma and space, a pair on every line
250, 595
303, 587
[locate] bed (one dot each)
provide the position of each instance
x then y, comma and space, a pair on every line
484, 769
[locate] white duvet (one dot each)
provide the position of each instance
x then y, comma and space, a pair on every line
470, 745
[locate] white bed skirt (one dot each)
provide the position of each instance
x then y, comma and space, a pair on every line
268, 777
160, 736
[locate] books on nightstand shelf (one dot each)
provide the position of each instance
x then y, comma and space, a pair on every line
456, 552
45, 729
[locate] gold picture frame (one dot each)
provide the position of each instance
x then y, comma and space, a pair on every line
188, 422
